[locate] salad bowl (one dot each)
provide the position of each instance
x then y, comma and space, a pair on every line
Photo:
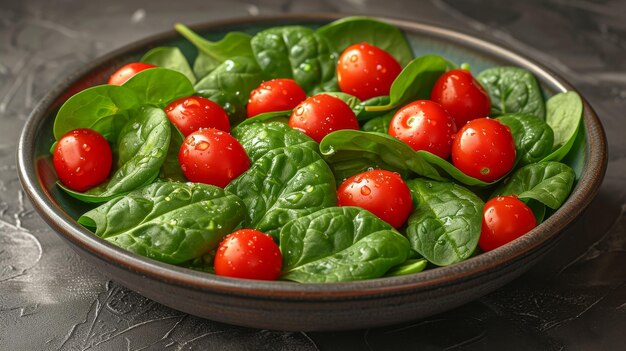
285, 305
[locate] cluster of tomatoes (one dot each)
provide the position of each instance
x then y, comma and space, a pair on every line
482, 148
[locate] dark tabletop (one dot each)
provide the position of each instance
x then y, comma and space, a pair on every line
574, 299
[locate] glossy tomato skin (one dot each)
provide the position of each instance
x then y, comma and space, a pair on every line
123, 74
484, 148
249, 254
212, 156
381, 192
191, 113
462, 96
275, 95
82, 159
505, 218
322, 114
424, 125
366, 71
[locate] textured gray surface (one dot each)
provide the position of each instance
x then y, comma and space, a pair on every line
51, 299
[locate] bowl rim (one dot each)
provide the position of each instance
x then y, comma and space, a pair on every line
498, 259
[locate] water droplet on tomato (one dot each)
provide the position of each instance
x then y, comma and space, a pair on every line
86, 147
354, 58
203, 145
365, 190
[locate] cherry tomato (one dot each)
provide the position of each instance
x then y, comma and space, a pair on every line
194, 112
505, 218
249, 254
424, 125
381, 192
484, 148
212, 156
366, 71
82, 159
322, 114
123, 74
462, 96
275, 95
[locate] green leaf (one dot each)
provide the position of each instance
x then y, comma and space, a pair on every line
564, 116
414, 82
203, 65
284, 184
379, 124
547, 182
260, 138
172, 58
295, 52
275, 116
533, 137
354, 30
237, 77
159, 86
233, 44
340, 244
445, 224
171, 170
411, 266
168, 221
103, 108
513, 90
363, 115
142, 149
539, 209
230, 102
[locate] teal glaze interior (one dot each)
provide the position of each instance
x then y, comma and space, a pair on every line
421, 44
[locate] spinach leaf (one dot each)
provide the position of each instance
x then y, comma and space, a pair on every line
142, 149
533, 137
170, 170
539, 209
513, 90
565, 111
233, 44
295, 52
274, 116
231, 103
284, 184
414, 82
445, 224
349, 152
379, 124
237, 77
340, 244
547, 182
159, 86
363, 115
350, 100
103, 108
411, 266
353, 30
203, 65
172, 58
168, 221
260, 138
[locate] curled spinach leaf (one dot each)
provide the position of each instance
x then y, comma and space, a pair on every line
513, 90
565, 111
445, 224
103, 108
533, 137
159, 86
547, 182
411, 266
284, 184
340, 244
168, 221
142, 148
260, 138
236, 76
353, 30
295, 52
172, 58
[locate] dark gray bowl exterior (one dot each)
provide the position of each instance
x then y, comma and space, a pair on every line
297, 307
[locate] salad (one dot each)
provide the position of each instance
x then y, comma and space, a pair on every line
314, 155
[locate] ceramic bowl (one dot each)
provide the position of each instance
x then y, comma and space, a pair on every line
292, 306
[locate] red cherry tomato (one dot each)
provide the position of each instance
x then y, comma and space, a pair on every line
484, 148
194, 112
126, 72
462, 96
275, 95
212, 156
82, 159
381, 192
249, 254
322, 114
505, 218
366, 71
424, 125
